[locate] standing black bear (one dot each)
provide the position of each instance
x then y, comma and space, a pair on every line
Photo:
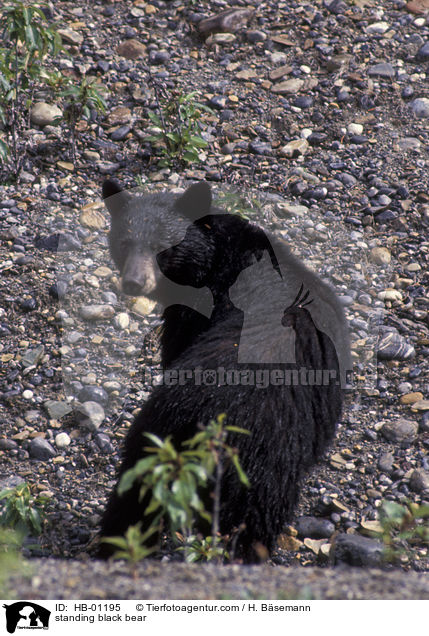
175, 248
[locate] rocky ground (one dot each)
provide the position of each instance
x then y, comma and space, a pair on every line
320, 118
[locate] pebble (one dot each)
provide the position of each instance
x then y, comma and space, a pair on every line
420, 107
62, 440
419, 481
288, 87
383, 70
131, 49
41, 449
380, 256
96, 312
90, 415
402, 432
314, 527
43, 114
392, 346
92, 393
385, 463
355, 550
422, 54
57, 409
294, 148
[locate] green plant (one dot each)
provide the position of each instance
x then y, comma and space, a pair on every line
199, 548
28, 40
175, 478
80, 99
403, 527
236, 204
131, 547
22, 511
177, 133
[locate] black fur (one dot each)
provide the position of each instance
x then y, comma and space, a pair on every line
290, 426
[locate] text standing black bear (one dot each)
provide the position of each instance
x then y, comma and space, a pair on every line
174, 248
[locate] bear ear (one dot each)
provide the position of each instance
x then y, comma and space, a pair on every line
115, 198
196, 201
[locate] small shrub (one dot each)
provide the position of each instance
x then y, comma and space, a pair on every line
175, 478
21, 511
177, 133
404, 527
79, 100
28, 40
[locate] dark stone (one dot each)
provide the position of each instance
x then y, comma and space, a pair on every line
120, 133
41, 449
91, 393
422, 54
356, 550
314, 527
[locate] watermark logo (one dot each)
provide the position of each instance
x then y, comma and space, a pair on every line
26, 615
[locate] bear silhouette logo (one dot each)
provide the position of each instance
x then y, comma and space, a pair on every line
26, 615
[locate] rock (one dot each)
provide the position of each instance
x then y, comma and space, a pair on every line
291, 544
92, 393
288, 87
119, 116
356, 550
392, 346
378, 28
390, 294
402, 432
419, 481
418, 7
57, 409
70, 36
92, 218
385, 463
355, 129
294, 148
62, 440
421, 405
420, 107
220, 38
380, 256
411, 398
120, 133
422, 54
131, 49
383, 70
143, 306
41, 449
229, 21
260, 147
96, 312
43, 114
90, 415
409, 143
314, 527
104, 444
122, 321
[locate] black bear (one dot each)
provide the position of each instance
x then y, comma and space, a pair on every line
241, 308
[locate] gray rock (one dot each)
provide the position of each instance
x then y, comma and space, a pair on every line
356, 550
90, 415
402, 432
41, 449
381, 70
423, 53
93, 393
420, 107
392, 346
314, 527
57, 409
385, 463
43, 114
419, 481
96, 312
